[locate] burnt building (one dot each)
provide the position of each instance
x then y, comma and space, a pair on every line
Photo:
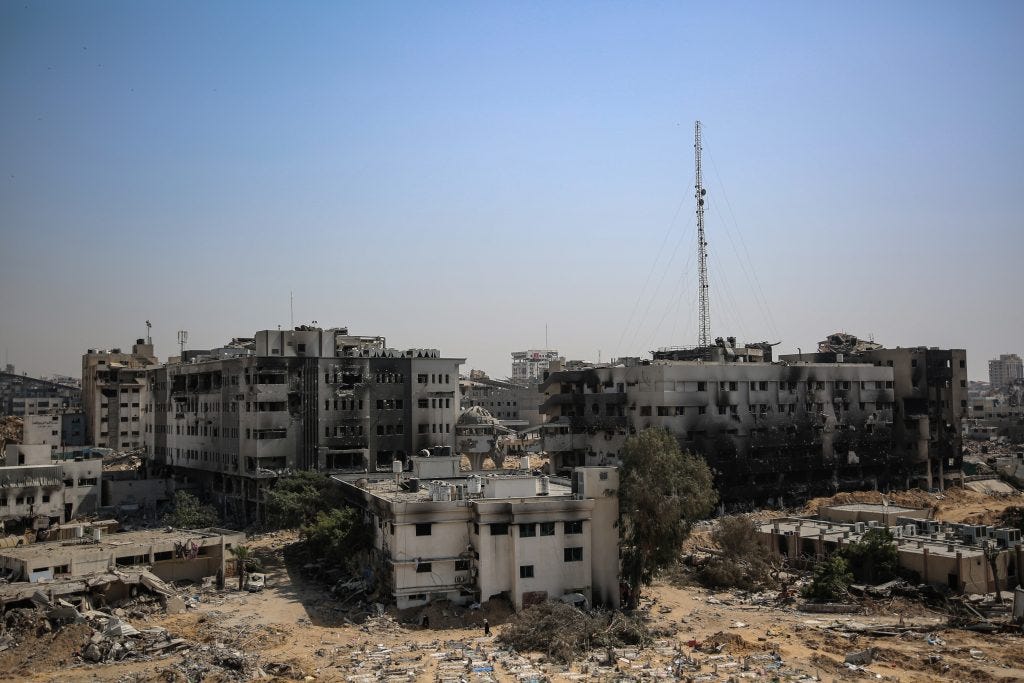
767, 429
929, 401
236, 418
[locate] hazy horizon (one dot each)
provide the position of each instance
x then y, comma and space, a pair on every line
477, 177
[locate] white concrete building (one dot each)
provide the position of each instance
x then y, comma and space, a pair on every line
1005, 370
528, 366
439, 535
37, 485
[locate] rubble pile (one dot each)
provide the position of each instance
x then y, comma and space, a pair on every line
11, 430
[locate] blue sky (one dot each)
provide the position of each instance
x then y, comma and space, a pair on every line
459, 175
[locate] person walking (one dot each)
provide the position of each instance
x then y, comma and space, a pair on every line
487, 628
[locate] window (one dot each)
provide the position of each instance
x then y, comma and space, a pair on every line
572, 555
547, 528
423, 529
421, 379
499, 529
702, 386
527, 530
423, 568
526, 571
574, 527
461, 565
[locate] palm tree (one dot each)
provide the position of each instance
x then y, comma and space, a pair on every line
241, 554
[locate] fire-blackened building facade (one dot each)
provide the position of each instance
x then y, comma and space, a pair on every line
306, 399
930, 401
766, 429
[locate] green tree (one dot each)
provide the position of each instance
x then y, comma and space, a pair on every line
662, 492
873, 559
189, 513
336, 535
831, 580
296, 499
242, 555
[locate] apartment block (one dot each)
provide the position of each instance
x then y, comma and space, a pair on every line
767, 430
238, 417
113, 393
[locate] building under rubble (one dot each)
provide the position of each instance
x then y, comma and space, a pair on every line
793, 428
956, 556
236, 418
442, 534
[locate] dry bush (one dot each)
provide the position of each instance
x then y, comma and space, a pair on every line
563, 632
742, 563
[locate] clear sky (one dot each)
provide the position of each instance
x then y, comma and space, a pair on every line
461, 175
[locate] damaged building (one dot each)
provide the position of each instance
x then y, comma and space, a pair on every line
766, 429
929, 401
967, 558
40, 487
236, 418
113, 393
23, 395
805, 425
440, 535
170, 554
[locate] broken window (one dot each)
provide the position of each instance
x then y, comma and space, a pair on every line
500, 529
527, 530
423, 568
574, 527
547, 528
423, 529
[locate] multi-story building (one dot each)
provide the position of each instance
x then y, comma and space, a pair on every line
438, 535
528, 366
766, 429
516, 406
22, 395
1005, 370
304, 399
113, 393
930, 401
42, 487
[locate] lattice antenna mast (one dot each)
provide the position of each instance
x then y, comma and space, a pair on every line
702, 245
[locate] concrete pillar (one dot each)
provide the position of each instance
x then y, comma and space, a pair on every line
959, 570
924, 566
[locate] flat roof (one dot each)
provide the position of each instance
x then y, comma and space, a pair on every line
387, 489
871, 507
127, 539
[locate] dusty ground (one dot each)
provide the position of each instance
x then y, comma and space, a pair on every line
299, 630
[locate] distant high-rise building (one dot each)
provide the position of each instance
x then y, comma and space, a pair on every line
1005, 370
528, 366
